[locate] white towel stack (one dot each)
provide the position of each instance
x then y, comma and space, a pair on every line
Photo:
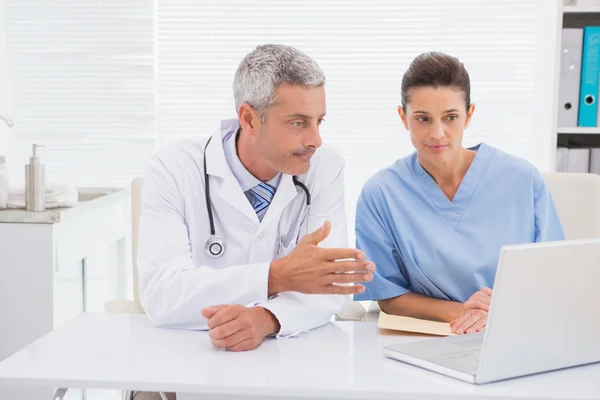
57, 195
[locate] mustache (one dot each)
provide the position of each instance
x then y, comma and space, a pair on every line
305, 152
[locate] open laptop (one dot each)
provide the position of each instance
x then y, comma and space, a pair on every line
544, 315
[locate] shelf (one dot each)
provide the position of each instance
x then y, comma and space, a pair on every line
582, 9
579, 131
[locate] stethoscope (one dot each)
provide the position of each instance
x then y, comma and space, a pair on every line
214, 246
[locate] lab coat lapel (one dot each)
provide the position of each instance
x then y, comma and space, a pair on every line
286, 192
227, 188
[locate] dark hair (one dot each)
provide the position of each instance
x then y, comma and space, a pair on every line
436, 69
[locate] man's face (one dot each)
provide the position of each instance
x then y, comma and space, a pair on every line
290, 134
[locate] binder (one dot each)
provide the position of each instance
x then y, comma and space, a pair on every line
562, 153
590, 72
578, 160
570, 77
595, 160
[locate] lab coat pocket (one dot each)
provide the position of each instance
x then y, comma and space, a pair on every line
285, 249
289, 236
287, 241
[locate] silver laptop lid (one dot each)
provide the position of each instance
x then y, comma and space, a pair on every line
545, 309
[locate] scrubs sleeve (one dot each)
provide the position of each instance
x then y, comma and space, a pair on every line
372, 237
547, 222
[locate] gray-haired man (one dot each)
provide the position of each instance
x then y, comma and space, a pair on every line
267, 261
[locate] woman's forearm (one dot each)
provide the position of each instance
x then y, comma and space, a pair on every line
418, 306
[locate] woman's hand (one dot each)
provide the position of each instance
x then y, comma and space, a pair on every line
473, 320
479, 301
473, 314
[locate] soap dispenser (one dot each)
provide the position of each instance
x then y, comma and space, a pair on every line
35, 183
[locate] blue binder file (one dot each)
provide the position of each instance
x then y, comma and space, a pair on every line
590, 72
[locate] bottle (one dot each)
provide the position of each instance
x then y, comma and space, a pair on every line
35, 183
3, 183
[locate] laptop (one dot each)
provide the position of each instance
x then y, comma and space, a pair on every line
544, 315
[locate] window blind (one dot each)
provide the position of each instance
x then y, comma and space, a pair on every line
102, 83
364, 47
84, 86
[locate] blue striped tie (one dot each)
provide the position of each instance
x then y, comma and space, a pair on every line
263, 194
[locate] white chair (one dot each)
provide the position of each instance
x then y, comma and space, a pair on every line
577, 200
127, 306
122, 305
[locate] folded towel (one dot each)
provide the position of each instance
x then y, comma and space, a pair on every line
57, 195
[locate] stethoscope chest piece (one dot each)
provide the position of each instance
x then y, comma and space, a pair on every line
214, 247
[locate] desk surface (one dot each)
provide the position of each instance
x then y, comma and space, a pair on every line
342, 359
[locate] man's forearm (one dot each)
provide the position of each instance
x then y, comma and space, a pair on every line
418, 306
276, 282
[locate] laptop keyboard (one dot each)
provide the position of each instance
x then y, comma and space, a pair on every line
467, 358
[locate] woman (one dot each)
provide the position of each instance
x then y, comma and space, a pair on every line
434, 222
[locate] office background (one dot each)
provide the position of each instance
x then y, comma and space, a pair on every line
103, 83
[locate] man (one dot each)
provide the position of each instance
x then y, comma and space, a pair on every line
274, 260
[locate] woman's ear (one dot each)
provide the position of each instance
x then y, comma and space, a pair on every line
403, 116
470, 112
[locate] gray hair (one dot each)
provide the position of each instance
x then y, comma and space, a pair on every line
268, 66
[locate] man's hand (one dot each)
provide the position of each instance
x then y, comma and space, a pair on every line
472, 315
314, 270
238, 328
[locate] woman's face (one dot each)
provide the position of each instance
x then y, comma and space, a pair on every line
436, 119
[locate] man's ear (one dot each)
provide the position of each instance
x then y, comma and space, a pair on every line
250, 121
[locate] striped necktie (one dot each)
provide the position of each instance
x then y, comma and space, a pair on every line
263, 194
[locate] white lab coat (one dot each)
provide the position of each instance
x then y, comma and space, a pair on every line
177, 278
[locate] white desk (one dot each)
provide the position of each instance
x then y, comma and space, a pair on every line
340, 360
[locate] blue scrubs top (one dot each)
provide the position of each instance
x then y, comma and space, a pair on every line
424, 243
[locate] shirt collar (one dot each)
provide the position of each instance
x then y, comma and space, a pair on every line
245, 179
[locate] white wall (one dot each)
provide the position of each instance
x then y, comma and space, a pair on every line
6, 133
